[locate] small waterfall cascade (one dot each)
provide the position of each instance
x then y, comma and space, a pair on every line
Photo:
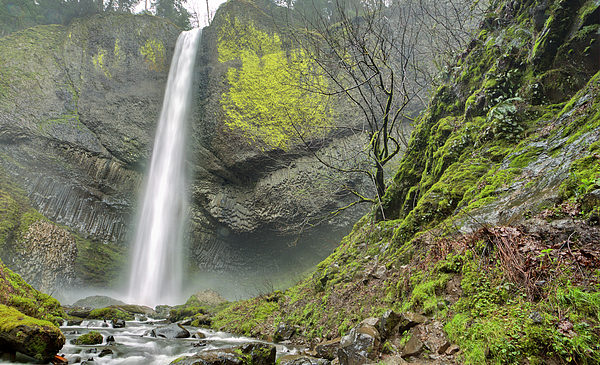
157, 267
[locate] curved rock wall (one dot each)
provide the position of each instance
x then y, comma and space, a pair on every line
78, 108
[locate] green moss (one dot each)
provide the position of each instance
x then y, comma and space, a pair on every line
14, 291
11, 319
99, 263
90, 338
109, 314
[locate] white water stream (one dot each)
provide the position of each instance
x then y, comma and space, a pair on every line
156, 271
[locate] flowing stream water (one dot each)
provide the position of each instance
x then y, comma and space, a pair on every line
156, 269
133, 344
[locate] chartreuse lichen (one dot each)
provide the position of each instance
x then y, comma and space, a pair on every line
264, 102
154, 54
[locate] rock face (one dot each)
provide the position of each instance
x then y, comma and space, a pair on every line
47, 257
78, 109
78, 105
36, 338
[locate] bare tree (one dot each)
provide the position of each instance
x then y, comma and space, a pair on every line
367, 51
380, 58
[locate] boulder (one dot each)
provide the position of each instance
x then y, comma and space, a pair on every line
201, 320
408, 320
162, 311
74, 322
90, 338
360, 346
105, 352
78, 312
33, 337
301, 360
250, 353
118, 323
414, 345
388, 322
97, 301
173, 330
328, 349
591, 200
284, 332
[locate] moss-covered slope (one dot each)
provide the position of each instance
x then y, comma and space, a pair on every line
492, 217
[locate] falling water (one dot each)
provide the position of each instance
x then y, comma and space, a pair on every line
156, 271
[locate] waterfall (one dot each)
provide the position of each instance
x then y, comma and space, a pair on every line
157, 267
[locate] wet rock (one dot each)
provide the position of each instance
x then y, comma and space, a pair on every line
46, 257
199, 335
328, 349
141, 318
253, 353
201, 320
162, 311
20, 333
201, 343
74, 322
284, 332
110, 339
90, 338
301, 360
77, 312
359, 346
118, 323
174, 330
105, 352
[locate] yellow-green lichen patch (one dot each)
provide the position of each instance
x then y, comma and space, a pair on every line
154, 55
264, 103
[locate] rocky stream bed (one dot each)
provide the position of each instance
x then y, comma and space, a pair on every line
154, 342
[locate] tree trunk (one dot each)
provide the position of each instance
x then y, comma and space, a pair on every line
380, 185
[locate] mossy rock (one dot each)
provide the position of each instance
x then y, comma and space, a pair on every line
110, 313
15, 292
33, 337
90, 338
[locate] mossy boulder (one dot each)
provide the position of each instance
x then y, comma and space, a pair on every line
110, 314
90, 338
33, 337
